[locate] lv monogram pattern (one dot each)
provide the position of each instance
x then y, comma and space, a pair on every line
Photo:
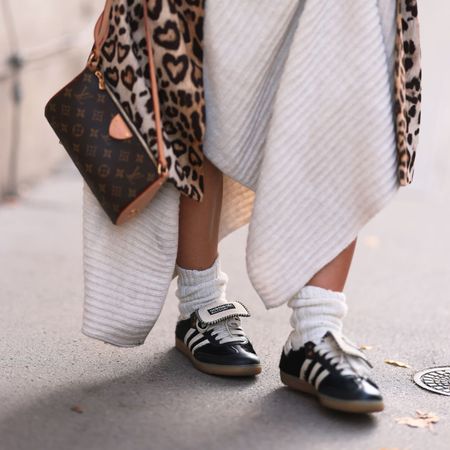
117, 171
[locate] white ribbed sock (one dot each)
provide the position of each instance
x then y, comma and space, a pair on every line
315, 311
198, 288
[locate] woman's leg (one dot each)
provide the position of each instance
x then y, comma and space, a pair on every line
199, 223
316, 341
217, 344
320, 306
334, 274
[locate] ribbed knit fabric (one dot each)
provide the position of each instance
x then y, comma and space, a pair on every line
303, 116
300, 120
198, 288
315, 311
128, 268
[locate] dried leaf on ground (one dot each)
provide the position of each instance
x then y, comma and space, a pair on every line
77, 408
392, 362
421, 420
366, 347
431, 417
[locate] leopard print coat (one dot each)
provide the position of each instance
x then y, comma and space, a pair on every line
177, 42
408, 88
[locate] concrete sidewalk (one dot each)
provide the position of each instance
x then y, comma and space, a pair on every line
151, 397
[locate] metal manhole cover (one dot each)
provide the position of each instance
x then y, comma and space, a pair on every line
434, 379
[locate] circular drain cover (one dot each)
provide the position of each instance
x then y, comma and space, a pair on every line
435, 379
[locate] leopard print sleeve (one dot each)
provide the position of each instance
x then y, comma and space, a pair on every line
408, 88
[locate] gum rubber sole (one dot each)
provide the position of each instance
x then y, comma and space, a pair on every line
351, 406
218, 369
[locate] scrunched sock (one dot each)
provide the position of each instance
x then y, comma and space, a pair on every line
198, 288
315, 311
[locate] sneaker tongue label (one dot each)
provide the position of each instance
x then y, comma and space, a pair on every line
221, 308
218, 311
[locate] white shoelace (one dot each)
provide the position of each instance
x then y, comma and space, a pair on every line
347, 364
228, 331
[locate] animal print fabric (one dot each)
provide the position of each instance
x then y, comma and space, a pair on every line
408, 88
177, 39
177, 34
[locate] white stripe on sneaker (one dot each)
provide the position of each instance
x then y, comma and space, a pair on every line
195, 339
321, 377
313, 372
188, 335
200, 344
304, 368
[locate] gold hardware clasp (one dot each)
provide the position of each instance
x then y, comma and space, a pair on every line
101, 80
92, 61
161, 169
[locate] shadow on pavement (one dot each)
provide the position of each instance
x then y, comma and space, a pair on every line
168, 404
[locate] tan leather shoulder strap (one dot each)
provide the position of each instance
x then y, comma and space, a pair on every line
154, 89
102, 27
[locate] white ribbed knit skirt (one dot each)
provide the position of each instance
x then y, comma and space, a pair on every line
299, 104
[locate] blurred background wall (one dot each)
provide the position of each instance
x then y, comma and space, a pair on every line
433, 157
52, 38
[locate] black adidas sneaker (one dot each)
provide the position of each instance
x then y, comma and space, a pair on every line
212, 338
334, 370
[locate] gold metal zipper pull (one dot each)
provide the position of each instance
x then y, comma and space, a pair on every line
101, 80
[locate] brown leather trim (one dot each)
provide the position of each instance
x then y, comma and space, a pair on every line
118, 129
140, 202
102, 27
